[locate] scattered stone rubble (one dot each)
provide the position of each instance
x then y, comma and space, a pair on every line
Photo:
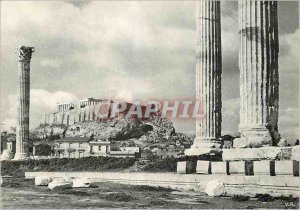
215, 188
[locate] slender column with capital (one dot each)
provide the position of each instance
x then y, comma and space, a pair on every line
208, 77
259, 80
22, 134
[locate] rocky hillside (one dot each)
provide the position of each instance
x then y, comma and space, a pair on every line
156, 129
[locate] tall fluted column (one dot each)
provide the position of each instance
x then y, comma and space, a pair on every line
22, 134
259, 81
208, 77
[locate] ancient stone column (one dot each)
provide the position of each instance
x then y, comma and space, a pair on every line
259, 82
22, 134
208, 77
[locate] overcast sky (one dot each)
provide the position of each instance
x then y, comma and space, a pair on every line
131, 50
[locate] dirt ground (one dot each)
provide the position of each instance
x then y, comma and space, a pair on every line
23, 194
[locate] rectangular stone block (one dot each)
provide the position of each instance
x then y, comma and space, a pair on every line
264, 167
236, 167
203, 167
296, 153
284, 167
186, 167
219, 167
263, 153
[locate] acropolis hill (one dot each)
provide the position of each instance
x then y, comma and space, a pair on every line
83, 120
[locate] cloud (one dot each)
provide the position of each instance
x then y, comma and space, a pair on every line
289, 123
41, 102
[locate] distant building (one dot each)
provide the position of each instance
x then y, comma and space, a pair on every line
89, 102
72, 147
77, 147
127, 152
99, 148
64, 107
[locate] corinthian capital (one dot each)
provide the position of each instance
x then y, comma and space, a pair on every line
24, 53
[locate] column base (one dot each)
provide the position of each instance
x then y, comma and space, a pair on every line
203, 146
21, 156
7, 155
253, 137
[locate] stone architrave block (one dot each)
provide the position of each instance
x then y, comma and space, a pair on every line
263, 153
237, 167
219, 167
264, 167
42, 181
284, 167
81, 183
203, 167
186, 167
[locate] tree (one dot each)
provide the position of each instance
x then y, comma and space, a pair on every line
43, 150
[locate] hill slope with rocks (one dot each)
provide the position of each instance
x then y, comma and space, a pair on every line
156, 129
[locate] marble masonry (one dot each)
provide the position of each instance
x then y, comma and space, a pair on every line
22, 132
208, 78
259, 78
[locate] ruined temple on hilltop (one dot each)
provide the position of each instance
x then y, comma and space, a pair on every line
69, 113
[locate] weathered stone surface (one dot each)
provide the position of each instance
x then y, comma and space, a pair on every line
296, 153
264, 167
263, 153
282, 143
237, 167
215, 188
22, 132
42, 180
60, 183
219, 167
284, 167
7, 155
186, 167
254, 141
155, 129
81, 183
208, 74
203, 167
200, 151
259, 77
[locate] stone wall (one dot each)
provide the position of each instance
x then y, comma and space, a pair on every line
234, 185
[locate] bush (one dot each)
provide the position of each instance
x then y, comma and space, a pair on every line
119, 197
18, 168
157, 203
161, 165
240, 198
70, 192
43, 150
288, 198
264, 197
151, 188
